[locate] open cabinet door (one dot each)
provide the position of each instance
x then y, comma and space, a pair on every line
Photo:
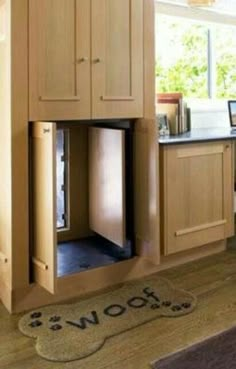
44, 204
107, 211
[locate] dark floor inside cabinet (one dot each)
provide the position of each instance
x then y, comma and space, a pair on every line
88, 253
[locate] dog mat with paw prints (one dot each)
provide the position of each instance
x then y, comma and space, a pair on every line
70, 332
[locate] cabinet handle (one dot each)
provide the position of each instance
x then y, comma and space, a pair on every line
3, 258
82, 60
97, 60
226, 147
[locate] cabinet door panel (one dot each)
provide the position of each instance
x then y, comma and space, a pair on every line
44, 204
198, 194
59, 53
107, 213
146, 190
117, 58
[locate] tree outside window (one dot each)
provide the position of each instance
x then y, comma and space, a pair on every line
186, 56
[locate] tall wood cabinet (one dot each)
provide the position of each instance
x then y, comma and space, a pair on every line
71, 60
197, 194
85, 59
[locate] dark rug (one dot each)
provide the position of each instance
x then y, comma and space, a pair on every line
218, 352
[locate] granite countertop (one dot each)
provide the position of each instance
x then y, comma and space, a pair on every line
198, 135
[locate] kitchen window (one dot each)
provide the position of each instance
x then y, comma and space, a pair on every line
196, 58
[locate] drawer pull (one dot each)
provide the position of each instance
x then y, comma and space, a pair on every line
3, 258
97, 60
82, 60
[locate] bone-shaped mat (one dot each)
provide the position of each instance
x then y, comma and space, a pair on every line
71, 332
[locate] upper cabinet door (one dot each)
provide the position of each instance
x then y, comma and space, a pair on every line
117, 58
59, 59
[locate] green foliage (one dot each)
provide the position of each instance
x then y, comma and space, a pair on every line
186, 71
226, 65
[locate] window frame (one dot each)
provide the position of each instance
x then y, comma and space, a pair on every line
210, 18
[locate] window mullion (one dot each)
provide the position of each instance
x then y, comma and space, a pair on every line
211, 64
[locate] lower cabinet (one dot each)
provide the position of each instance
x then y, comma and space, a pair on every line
196, 194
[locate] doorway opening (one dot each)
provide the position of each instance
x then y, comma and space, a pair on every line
62, 178
85, 241
93, 204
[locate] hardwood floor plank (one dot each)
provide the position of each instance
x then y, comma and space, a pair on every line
213, 279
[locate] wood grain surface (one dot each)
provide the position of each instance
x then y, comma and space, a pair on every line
212, 279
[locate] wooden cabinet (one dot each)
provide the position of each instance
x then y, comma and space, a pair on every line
85, 59
196, 194
68, 60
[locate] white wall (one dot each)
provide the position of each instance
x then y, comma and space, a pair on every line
210, 119
207, 114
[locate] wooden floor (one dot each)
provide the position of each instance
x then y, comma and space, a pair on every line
212, 279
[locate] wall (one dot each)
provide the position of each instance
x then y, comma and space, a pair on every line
207, 114
216, 119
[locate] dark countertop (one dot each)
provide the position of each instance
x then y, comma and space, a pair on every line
198, 135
